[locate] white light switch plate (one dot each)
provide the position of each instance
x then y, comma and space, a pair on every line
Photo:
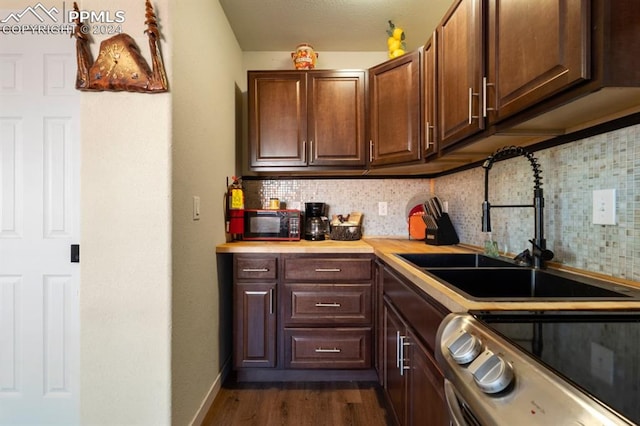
196, 207
604, 207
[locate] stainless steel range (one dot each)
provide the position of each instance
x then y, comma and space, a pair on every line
541, 368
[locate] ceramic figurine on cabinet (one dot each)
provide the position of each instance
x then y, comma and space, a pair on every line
304, 58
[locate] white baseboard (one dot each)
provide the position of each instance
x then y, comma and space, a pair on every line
211, 395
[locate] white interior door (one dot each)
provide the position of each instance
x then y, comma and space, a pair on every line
39, 220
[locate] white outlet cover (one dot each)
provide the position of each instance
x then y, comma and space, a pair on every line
604, 207
295, 205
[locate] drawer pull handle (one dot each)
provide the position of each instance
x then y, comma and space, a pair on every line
255, 270
327, 305
328, 269
330, 351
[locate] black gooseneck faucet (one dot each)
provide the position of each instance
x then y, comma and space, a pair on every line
539, 252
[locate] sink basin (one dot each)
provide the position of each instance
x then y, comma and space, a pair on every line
454, 260
481, 277
528, 283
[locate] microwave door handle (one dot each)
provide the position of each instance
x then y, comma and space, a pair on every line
455, 413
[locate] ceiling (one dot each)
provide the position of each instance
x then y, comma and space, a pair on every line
330, 25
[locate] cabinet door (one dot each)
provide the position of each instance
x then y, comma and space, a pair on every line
277, 119
430, 134
535, 49
395, 110
255, 325
394, 375
460, 72
335, 125
426, 403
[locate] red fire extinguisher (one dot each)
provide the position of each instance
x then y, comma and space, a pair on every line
235, 208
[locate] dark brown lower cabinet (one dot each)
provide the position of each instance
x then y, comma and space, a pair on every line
303, 317
426, 405
311, 317
255, 316
255, 325
412, 380
395, 380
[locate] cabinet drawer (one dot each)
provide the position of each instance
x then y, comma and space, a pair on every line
329, 304
333, 348
327, 269
255, 267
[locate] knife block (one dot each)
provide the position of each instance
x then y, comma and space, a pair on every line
442, 235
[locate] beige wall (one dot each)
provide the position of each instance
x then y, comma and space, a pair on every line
207, 66
125, 292
152, 347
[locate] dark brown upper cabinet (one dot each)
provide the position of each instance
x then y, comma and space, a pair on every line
533, 50
493, 73
394, 96
532, 70
299, 119
460, 71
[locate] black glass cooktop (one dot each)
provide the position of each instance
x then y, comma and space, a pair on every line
599, 351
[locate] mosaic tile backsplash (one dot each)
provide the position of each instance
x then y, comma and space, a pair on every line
345, 196
570, 173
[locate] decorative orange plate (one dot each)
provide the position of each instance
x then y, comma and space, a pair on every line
417, 227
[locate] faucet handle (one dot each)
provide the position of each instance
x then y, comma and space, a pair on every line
524, 258
538, 251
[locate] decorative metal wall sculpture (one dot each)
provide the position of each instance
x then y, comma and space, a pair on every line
120, 66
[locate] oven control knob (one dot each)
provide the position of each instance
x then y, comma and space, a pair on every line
491, 373
465, 348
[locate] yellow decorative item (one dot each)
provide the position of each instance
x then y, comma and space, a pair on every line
304, 58
395, 42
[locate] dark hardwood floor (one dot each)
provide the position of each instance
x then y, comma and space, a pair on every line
299, 404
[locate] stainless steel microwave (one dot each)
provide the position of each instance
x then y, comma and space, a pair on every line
272, 225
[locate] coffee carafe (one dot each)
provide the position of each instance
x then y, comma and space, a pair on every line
316, 224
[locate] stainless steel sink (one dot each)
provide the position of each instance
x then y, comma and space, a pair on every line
528, 283
480, 277
455, 260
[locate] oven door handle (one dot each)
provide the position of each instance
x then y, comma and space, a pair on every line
455, 413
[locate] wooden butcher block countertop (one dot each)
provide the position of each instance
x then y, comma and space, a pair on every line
386, 248
302, 246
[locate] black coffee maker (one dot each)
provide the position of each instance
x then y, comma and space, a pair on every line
316, 224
